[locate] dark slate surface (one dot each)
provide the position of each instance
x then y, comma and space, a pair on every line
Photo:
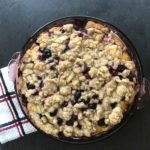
20, 18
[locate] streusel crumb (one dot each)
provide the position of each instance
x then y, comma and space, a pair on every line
77, 81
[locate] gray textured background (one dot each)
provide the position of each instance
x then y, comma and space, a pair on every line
20, 18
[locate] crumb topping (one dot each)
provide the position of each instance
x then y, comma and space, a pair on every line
77, 81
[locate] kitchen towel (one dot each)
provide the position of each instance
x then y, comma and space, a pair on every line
13, 123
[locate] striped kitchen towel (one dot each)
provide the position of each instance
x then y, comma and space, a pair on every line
13, 123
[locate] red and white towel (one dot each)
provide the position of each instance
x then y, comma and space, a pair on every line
13, 123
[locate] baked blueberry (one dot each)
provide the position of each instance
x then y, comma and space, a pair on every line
64, 104
77, 94
84, 109
112, 71
103, 84
120, 76
53, 67
101, 122
85, 101
73, 102
30, 86
37, 43
86, 72
100, 102
71, 120
59, 121
92, 105
74, 117
53, 113
86, 68
79, 126
113, 105
80, 34
46, 53
121, 68
32, 61
41, 84
95, 96
40, 57
62, 30
87, 75
39, 78
40, 115
36, 93
56, 59
123, 98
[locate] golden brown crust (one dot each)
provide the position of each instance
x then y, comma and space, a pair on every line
125, 56
117, 40
91, 24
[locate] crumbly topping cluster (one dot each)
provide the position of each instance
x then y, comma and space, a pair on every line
77, 81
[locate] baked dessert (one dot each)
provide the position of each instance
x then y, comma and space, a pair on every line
77, 80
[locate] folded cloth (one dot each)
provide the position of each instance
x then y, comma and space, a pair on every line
13, 123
